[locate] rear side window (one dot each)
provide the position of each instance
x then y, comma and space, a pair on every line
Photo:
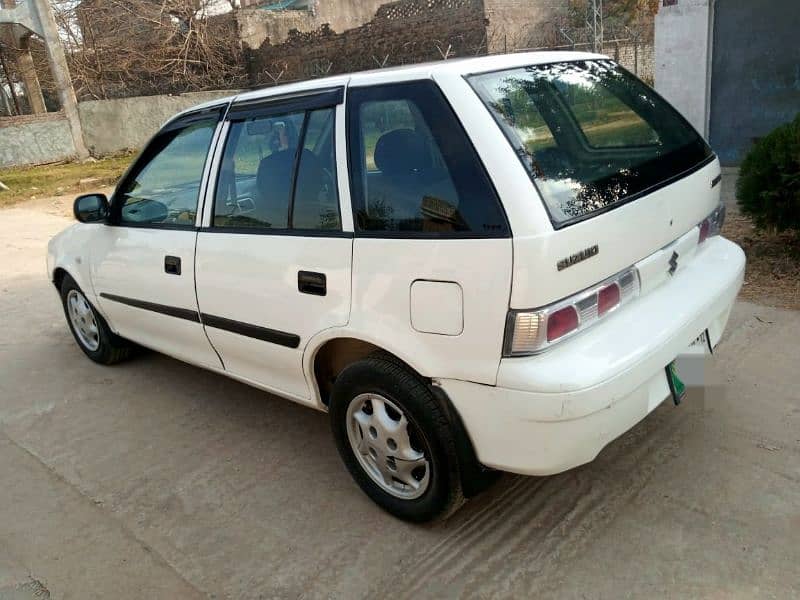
590, 134
278, 173
414, 171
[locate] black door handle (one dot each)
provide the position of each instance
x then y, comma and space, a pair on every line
312, 283
172, 265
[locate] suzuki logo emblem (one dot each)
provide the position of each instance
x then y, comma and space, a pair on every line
673, 263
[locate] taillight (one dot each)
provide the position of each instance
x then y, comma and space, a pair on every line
562, 322
705, 227
532, 331
712, 225
607, 299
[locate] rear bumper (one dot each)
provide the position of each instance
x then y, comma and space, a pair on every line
555, 411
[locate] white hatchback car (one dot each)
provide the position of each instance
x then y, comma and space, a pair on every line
474, 265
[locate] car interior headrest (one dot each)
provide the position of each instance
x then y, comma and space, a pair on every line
401, 152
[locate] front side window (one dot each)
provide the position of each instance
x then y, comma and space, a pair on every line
279, 173
591, 135
164, 186
413, 169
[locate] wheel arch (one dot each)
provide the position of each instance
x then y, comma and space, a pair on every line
57, 277
82, 279
333, 350
328, 353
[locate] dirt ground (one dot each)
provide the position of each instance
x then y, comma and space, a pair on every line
155, 479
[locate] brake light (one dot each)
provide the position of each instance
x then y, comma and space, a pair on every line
607, 299
561, 323
532, 331
712, 225
705, 227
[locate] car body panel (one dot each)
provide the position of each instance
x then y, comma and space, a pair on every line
70, 251
128, 263
254, 279
383, 273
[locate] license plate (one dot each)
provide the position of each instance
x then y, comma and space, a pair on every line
701, 344
676, 386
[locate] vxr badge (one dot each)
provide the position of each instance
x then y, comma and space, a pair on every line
673, 263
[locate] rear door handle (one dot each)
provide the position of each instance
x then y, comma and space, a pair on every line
312, 283
172, 265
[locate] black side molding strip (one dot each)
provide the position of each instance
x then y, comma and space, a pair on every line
281, 338
171, 311
290, 340
716, 181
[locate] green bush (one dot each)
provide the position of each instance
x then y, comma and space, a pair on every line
768, 189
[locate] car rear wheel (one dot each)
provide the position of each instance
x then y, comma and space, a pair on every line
395, 439
89, 329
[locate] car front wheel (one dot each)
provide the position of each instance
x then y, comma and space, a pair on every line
395, 439
88, 327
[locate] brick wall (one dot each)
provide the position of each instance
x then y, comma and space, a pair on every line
403, 32
638, 58
27, 119
515, 24
257, 25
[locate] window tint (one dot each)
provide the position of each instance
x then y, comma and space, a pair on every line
591, 135
413, 168
316, 203
266, 183
165, 187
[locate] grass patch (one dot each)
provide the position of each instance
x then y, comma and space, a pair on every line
60, 179
772, 276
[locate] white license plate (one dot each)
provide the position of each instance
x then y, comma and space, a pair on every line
700, 345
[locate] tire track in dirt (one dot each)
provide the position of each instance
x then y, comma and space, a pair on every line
513, 539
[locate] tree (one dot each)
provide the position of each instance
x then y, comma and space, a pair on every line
137, 47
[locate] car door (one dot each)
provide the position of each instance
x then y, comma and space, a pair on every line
273, 263
143, 262
432, 255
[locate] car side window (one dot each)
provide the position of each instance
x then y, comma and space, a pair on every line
413, 169
164, 186
278, 173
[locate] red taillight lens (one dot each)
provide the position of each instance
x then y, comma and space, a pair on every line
529, 332
607, 298
705, 228
561, 322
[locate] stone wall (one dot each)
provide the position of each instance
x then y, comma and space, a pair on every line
109, 126
35, 139
127, 123
403, 32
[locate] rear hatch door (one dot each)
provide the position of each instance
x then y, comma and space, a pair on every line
621, 173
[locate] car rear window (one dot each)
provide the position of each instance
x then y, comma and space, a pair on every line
590, 134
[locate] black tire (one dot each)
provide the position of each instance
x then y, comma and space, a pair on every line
112, 348
396, 382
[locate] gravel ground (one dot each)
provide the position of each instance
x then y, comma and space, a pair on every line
155, 479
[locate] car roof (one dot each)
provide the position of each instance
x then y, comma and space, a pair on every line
458, 66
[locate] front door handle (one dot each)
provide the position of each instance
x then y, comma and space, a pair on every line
172, 265
312, 283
